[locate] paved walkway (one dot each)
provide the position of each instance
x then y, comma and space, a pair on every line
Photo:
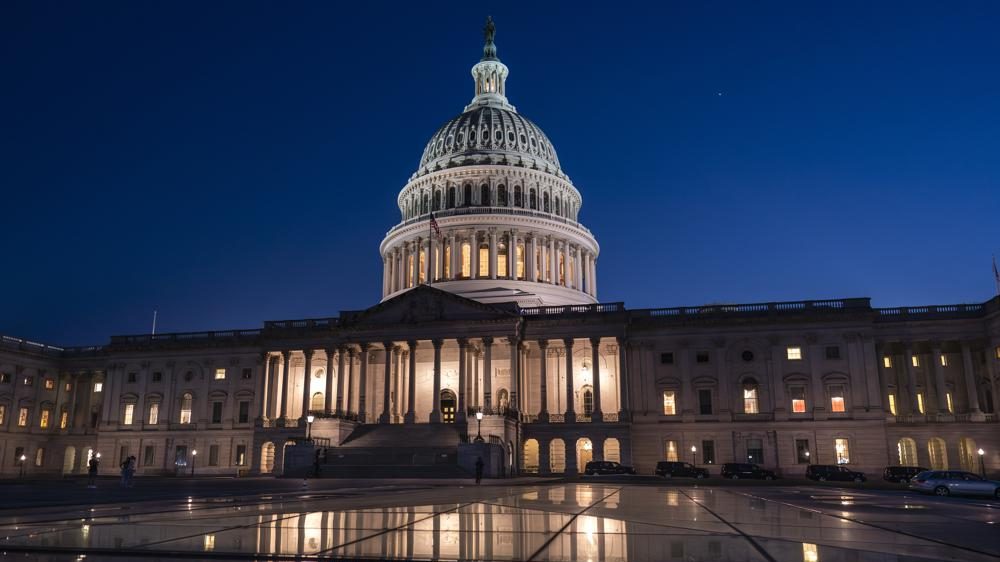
557, 522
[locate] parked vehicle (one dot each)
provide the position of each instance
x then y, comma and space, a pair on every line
737, 470
833, 473
607, 467
669, 469
948, 482
901, 474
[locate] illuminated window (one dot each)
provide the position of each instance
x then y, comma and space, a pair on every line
809, 552
447, 260
209, 542
562, 270
944, 360
98, 386
837, 398
501, 260
63, 419
5, 378
29, 381
915, 360
409, 271
50, 384
466, 259
798, 394
892, 404
669, 403
920, 402
520, 261
794, 353
484, 260
68, 387
422, 272
220, 374
996, 352
671, 450
154, 414
887, 362
22, 417
951, 405
802, 451
842, 451
241, 455
750, 405
3, 414
44, 422
186, 407
129, 413
39, 456
907, 449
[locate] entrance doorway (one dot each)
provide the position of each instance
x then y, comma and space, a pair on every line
449, 405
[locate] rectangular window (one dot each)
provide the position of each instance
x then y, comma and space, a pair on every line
220, 374
149, 456
750, 400
802, 451
247, 373
466, 259
667, 358
519, 260
157, 376
944, 360
29, 381
670, 448
669, 404
892, 404
920, 402
705, 401
798, 394
5, 378
216, 412
887, 362
185, 413
3, 413
755, 450
50, 384
833, 352
98, 386
213, 455
708, 452
44, 422
794, 353
484, 261
951, 405
123, 453
244, 412
132, 377
842, 450
22, 417
915, 359
68, 387
837, 398
701, 357
447, 262
241, 455
63, 419
129, 413
39, 456
154, 414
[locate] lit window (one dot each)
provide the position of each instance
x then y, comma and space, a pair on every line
520, 261
892, 404
241, 455
837, 398
798, 399
809, 552
669, 403
484, 260
3, 413
44, 422
951, 405
920, 402
996, 352
209, 542
915, 360
29, 381
422, 272
671, 450
944, 360
794, 353
220, 374
750, 397
69, 386
129, 411
39, 456
501, 260
186, 407
98, 386
466, 257
22, 417
50, 384
842, 450
887, 362
63, 419
154, 414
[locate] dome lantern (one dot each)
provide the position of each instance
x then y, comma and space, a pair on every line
490, 75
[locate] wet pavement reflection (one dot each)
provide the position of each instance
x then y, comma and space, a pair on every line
561, 522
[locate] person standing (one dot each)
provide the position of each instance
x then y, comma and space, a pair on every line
92, 471
130, 470
479, 470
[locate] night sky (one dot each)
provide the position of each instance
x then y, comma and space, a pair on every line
233, 162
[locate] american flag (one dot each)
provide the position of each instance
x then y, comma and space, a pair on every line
434, 226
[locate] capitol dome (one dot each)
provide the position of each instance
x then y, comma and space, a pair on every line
489, 214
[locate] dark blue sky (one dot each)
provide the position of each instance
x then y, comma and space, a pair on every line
231, 162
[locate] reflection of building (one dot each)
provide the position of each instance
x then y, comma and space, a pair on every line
494, 309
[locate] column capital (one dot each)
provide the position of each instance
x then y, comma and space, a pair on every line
568, 342
351, 352
595, 341
437, 343
330, 352
396, 350
543, 344
622, 340
488, 341
463, 342
308, 353
388, 345
412, 344
286, 354
364, 346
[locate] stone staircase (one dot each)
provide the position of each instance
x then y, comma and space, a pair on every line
397, 451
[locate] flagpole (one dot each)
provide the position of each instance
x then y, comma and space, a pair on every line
430, 248
996, 274
154, 323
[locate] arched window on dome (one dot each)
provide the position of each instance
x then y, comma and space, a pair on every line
484, 260
518, 199
451, 197
558, 206
545, 202
502, 260
519, 260
425, 205
501, 195
437, 200
466, 259
467, 195
532, 199
484, 195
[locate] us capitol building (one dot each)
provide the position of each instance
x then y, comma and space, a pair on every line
490, 305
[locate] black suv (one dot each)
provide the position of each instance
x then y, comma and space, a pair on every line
834, 473
737, 470
668, 469
901, 474
607, 467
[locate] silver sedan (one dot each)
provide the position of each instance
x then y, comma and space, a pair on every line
948, 482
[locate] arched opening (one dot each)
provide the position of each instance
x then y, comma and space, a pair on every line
612, 450
557, 456
317, 403
424, 204
938, 453
967, 454
532, 199
484, 195
187, 400
466, 260
502, 195
467, 195
267, 457
531, 456
751, 392
451, 197
518, 199
449, 405
584, 453
587, 398
437, 201
519, 261
69, 460
503, 399
907, 452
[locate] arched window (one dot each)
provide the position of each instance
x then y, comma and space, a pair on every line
467, 195
588, 400
531, 455
558, 206
466, 259
503, 399
557, 455
502, 195
518, 200
484, 260
967, 453
750, 396
484, 195
938, 454
519, 260
545, 202
532, 199
317, 404
451, 197
187, 401
425, 204
907, 449
437, 201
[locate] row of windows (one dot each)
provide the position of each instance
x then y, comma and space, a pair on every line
424, 203
28, 380
937, 453
920, 403
751, 399
187, 402
182, 458
44, 422
755, 451
792, 353
219, 374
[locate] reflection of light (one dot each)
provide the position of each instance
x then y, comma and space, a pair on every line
809, 552
209, 542
587, 446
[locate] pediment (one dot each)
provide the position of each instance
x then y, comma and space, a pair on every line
425, 304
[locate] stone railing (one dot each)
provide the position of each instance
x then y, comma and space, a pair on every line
228, 336
926, 312
765, 308
611, 417
557, 418
302, 324
574, 309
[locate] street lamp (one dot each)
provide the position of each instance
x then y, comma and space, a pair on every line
479, 427
693, 457
22, 459
309, 423
982, 466
194, 455
808, 460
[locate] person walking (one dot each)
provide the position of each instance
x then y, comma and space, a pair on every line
479, 470
92, 471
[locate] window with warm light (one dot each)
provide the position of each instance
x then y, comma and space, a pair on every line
842, 451
29, 381
68, 387
670, 448
996, 352
22, 417
837, 398
520, 261
422, 271
98, 386
44, 422
951, 405
669, 403
465, 257
892, 404
502, 260
920, 402
794, 353
3, 414
186, 402
39, 456
798, 394
63, 419
915, 360
154, 414
750, 405
447, 261
887, 362
220, 374
484, 260
128, 414
944, 360
810, 553
50, 384
241, 455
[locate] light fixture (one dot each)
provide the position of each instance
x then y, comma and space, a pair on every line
479, 416
194, 452
310, 418
694, 449
981, 451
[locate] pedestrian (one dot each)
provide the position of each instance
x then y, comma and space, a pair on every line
479, 470
123, 470
316, 466
92, 471
130, 471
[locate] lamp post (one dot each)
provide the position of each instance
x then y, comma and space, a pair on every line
982, 466
808, 460
194, 455
479, 427
24, 458
693, 456
309, 423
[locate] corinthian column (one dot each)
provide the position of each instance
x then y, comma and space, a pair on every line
363, 384
386, 382
411, 395
543, 380
463, 385
436, 398
570, 412
488, 375
306, 374
595, 360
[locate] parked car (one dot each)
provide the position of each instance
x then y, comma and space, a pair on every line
737, 470
669, 469
901, 474
607, 467
834, 473
948, 482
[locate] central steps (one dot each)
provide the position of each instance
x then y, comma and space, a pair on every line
397, 450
